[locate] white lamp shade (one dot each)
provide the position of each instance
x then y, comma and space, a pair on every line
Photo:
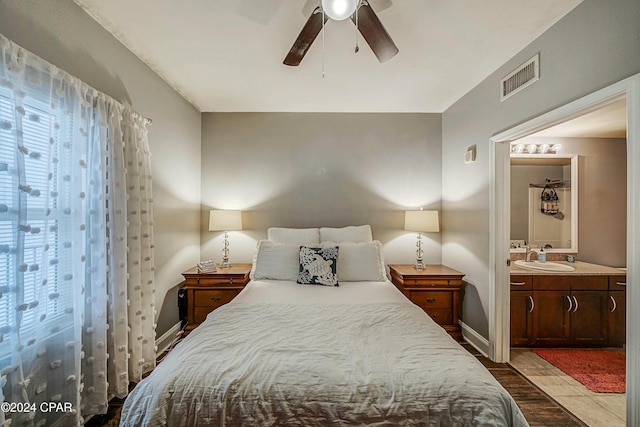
222, 220
426, 221
339, 9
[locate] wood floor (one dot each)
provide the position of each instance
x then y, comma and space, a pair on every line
538, 408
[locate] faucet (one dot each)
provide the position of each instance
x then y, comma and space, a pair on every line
530, 252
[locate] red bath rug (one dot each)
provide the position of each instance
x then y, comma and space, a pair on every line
601, 371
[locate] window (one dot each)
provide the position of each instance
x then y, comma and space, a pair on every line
31, 190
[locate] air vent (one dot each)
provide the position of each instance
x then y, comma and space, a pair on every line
521, 77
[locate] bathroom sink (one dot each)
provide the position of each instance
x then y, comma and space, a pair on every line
546, 266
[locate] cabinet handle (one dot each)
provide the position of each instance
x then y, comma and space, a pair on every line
615, 305
533, 304
216, 299
621, 283
570, 303
517, 283
231, 280
433, 316
576, 301
415, 282
430, 300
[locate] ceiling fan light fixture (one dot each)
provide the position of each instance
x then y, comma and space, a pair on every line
339, 10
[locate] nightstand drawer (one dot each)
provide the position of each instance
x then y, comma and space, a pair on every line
207, 301
442, 316
200, 314
221, 281
213, 298
427, 283
432, 299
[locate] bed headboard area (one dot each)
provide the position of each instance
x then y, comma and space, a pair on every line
320, 171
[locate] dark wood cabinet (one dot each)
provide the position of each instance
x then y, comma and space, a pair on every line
589, 321
522, 306
617, 314
567, 311
551, 318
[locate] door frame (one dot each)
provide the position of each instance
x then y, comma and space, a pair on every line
499, 313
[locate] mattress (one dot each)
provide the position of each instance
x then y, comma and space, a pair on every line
284, 354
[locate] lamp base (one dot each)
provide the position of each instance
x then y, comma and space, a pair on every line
419, 265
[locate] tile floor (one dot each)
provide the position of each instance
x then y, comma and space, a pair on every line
594, 409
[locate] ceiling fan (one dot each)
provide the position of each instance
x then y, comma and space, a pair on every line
361, 14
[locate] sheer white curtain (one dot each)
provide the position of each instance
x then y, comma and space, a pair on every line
76, 245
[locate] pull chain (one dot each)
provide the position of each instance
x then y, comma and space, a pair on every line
357, 10
323, 43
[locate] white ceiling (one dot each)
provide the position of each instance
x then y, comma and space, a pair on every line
226, 55
607, 122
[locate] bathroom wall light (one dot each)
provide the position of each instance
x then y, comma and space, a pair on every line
520, 148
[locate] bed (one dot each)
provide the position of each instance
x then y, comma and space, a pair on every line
289, 354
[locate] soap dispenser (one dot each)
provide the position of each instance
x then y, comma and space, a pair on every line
542, 255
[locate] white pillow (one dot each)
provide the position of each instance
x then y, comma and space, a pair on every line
354, 234
297, 236
361, 262
275, 261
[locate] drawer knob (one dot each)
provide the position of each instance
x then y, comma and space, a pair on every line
415, 282
431, 300
433, 316
216, 299
231, 280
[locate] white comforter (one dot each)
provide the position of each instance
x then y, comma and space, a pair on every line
357, 361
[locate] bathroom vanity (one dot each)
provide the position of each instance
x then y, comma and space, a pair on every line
580, 308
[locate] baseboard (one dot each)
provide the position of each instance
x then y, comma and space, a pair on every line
165, 341
478, 342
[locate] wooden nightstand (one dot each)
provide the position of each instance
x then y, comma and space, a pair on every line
436, 290
208, 291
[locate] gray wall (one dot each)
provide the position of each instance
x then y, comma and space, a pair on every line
602, 198
60, 32
316, 169
595, 45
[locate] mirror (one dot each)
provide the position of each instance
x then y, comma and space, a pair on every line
544, 202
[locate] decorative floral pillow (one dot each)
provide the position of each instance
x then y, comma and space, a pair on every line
318, 266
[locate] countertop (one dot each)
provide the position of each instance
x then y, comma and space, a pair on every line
582, 269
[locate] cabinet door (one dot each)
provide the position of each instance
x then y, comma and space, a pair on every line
617, 318
551, 318
522, 307
589, 319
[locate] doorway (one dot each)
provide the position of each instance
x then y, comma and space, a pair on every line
499, 328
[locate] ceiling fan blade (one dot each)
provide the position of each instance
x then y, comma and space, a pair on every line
306, 37
374, 33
